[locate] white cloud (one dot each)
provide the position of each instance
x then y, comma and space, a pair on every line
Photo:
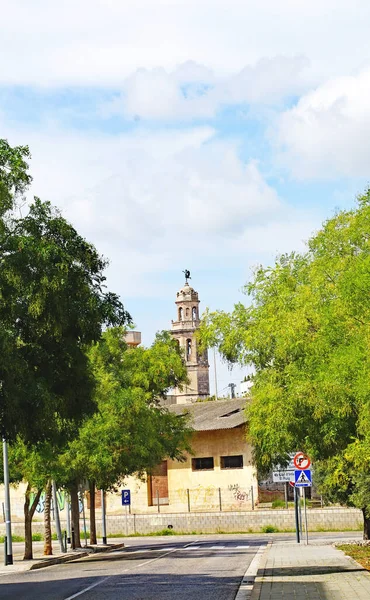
99, 42
327, 134
193, 91
155, 201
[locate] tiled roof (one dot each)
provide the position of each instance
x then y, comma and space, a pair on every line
209, 416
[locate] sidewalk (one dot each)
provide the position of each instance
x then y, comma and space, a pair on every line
290, 571
39, 560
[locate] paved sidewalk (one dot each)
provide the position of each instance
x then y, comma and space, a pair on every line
39, 560
315, 572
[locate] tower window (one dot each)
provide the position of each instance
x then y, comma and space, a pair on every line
187, 313
181, 313
188, 349
194, 313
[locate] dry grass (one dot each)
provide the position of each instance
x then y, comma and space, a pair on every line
359, 553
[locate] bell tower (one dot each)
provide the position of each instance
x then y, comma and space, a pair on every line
183, 330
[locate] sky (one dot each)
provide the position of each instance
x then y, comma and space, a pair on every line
207, 135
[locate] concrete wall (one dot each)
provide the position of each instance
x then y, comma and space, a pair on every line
318, 519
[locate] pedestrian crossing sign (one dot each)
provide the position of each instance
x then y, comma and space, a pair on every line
303, 478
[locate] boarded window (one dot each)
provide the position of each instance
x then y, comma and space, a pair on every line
158, 485
232, 462
202, 464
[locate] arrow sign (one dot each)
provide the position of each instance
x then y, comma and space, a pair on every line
126, 497
303, 478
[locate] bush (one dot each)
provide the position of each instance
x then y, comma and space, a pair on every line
37, 537
269, 529
278, 503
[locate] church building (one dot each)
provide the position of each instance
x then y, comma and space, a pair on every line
183, 330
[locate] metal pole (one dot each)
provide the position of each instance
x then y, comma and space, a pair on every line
286, 494
56, 517
252, 497
126, 522
84, 517
188, 495
300, 511
8, 524
159, 510
296, 514
104, 525
305, 514
214, 362
5, 551
219, 497
68, 520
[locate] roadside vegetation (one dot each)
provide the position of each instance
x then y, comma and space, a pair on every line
77, 406
305, 334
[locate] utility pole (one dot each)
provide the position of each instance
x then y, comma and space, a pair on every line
214, 362
8, 524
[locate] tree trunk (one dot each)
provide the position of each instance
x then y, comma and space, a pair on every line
366, 535
92, 512
48, 548
29, 511
75, 516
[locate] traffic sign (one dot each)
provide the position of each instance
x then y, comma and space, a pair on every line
301, 461
283, 476
303, 478
126, 497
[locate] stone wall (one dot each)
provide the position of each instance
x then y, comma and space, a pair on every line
214, 522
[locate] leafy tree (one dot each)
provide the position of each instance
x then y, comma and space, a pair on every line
306, 333
130, 432
53, 304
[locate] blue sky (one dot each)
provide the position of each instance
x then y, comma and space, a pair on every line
207, 135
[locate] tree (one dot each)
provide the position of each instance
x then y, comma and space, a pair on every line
306, 333
53, 304
130, 432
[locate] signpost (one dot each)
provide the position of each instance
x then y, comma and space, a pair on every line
303, 479
126, 501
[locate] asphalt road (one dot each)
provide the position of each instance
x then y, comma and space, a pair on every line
181, 568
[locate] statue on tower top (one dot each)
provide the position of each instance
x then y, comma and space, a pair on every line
187, 275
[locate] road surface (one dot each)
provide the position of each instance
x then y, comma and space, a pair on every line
178, 567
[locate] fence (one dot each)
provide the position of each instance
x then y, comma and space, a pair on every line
202, 499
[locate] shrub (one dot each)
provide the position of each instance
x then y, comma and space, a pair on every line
269, 529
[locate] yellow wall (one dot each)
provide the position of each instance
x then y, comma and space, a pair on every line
204, 487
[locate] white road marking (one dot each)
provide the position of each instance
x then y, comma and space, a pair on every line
243, 546
246, 586
214, 547
146, 562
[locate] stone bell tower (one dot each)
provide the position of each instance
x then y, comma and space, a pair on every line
183, 329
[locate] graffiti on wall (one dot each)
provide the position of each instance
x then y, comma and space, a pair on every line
61, 500
239, 494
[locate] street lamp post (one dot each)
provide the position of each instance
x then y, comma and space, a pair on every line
8, 524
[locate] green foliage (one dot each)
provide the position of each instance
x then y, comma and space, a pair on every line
52, 305
269, 529
130, 432
306, 332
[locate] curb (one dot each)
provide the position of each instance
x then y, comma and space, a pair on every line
257, 587
64, 558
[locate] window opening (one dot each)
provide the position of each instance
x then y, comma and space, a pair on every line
202, 464
181, 314
188, 349
232, 462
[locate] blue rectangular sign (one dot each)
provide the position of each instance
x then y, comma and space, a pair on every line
303, 478
126, 497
